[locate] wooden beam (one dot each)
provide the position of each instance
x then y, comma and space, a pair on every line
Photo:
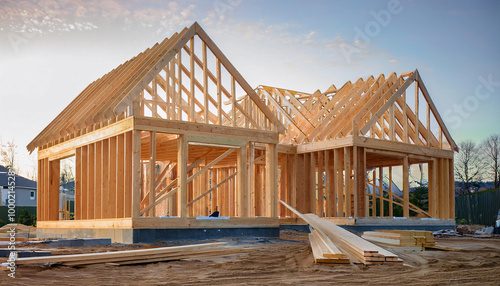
182, 157
53, 191
406, 188
242, 182
199, 129
271, 180
152, 171
347, 170
136, 174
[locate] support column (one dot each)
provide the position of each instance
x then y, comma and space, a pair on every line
54, 179
451, 180
182, 157
347, 179
391, 212
271, 180
136, 174
406, 188
381, 189
242, 181
152, 172
291, 178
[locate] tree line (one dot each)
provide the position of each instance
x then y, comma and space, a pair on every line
476, 163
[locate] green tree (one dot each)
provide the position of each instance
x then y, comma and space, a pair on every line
26, 218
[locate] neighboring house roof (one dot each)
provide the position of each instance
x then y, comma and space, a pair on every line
20, 180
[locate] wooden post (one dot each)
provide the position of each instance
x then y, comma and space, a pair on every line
446, 189
120, 176
381, 190
78, 184
182, 157
451, 187
312, 183
54, 180
292, 182
356, 167
406, 188
339, 180
321, 168
300, 183
127, 192
347, 180
417, 120
83, 176
391, 213
251, 177
152, 172
242, 181
90, 182
431, 187
191, 82
112, 178
271, 180
136, 174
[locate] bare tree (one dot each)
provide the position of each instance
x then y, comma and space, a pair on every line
491, 150
67, 170
469, 166
8, 155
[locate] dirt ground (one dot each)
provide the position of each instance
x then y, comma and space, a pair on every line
284, 261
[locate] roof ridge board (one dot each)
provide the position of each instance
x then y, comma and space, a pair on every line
152, 60
121, 99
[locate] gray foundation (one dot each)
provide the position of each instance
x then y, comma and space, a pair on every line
151, 235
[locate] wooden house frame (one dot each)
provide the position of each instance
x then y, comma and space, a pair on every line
176, 133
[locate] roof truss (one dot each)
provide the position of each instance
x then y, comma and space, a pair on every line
385, 108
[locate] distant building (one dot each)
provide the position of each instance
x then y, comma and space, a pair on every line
26, 194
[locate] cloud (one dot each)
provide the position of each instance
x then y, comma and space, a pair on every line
394, 61
45, 16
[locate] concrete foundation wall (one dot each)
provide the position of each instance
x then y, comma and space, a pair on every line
151, 235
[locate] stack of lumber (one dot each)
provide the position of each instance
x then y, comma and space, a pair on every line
127, 257
401, 237
358, 249
363, 251
324, 251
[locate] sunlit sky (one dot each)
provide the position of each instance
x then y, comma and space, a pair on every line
51, 50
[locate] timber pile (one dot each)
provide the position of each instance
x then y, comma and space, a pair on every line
324, 251
401, 237
128, 257
359, 250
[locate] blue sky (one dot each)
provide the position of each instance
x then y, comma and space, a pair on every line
51, 50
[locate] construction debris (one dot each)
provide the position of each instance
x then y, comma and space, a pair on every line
485, 232
128, 257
